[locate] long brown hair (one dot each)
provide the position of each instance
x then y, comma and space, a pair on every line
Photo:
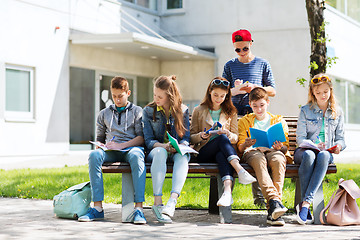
226, 106
332, 100
167, 83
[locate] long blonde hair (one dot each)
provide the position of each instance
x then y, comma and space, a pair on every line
332, 99
167, 83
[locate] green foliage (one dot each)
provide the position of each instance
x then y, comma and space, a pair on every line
301, 81
314, 65
331, 61
46, 183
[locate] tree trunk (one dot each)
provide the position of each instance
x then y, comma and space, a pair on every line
315, 11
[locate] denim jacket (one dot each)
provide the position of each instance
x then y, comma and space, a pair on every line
154, 131
310, 122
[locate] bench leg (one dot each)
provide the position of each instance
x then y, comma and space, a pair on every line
318, 204
297, 192
127, 194
213, 196
225, 212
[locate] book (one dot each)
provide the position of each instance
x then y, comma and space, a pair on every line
311, 145
103, 147
214, 129
182, 149
268, 137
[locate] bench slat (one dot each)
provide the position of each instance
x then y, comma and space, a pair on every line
203, 168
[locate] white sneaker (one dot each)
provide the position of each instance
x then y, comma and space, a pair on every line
169, 208
225, 200
245, 177
162, 218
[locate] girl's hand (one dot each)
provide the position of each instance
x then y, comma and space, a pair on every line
277, 145
169, 148
249, 142
337, 149
224, 131
321, 146
204, 135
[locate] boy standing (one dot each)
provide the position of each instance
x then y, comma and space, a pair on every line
119, 127
261, 157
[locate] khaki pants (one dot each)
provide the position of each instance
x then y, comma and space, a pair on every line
261, 161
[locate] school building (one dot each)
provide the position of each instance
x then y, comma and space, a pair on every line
57, 59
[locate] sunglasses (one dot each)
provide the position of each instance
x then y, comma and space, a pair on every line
320, 80
218, 82
245, 49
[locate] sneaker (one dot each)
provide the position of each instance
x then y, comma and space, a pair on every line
301, 214
169, 208
225, 200
276, 209
275, 222
91, 215
139, 217
310, 218
162, 218
245, 177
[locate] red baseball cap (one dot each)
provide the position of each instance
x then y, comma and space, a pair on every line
241, 35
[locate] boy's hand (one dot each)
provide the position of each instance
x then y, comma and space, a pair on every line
248, 87
249, 142
277, 145
114, 145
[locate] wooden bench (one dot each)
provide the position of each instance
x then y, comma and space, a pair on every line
216, 186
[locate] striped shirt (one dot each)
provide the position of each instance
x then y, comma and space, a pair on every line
258, 72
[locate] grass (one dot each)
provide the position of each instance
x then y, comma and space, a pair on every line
46, 183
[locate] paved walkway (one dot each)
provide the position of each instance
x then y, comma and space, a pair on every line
34, 219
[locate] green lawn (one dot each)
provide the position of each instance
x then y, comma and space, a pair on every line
45, 183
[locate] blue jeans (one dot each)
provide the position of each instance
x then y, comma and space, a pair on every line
312, 170
158, 157
221, 151
135, 157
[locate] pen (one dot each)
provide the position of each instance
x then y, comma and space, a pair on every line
112, 138
247, 133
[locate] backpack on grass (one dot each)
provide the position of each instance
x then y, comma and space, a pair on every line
73, 202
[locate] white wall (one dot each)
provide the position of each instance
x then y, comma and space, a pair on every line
29, 39
344, 34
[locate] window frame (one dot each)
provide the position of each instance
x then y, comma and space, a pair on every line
173, 11
22, 116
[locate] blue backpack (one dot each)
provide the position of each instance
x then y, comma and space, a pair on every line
73, 202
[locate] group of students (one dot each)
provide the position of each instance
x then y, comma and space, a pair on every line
128, 128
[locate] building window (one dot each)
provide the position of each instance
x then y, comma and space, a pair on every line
348, 96
150, 4
19, 93
350, 8
174, 4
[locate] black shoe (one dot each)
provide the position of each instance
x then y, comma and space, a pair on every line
276, 209
275, 222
